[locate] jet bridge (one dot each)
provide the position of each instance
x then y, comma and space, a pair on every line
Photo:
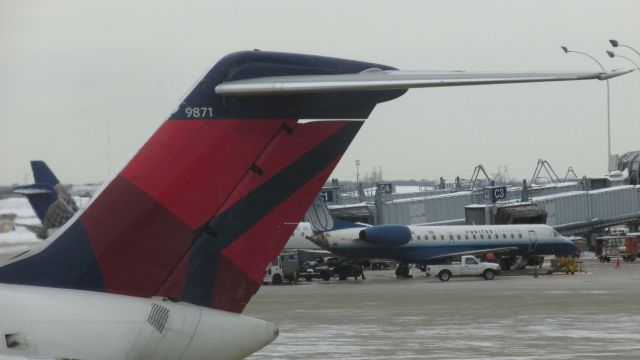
569, 210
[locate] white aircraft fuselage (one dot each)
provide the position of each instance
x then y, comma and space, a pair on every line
419, 244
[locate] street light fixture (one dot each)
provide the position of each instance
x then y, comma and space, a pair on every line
615, 43
564, 48
612, 55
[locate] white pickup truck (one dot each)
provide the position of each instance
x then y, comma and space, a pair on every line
469, 266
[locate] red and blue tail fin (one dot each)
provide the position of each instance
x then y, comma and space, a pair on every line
213, 195
50, 201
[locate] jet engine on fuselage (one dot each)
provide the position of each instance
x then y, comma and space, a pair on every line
388, 235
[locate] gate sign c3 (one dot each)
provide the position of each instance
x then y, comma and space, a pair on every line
386, 188
495, 193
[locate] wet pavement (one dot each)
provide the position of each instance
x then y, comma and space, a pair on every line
595, 315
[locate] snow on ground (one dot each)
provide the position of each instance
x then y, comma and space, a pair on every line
19, 206
24, 215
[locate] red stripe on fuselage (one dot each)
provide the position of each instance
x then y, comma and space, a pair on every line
191, 166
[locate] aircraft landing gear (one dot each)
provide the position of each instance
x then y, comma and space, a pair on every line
402, 271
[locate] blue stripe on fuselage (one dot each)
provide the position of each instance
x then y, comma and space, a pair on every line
414, 252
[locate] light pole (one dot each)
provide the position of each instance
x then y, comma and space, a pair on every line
564, 48
357, 172
612, 55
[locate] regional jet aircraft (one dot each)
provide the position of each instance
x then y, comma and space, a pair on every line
409, 244
169, 252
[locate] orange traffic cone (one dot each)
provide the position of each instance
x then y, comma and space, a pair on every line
617, 266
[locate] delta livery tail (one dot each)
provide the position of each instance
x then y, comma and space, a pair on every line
51, 202
175, 245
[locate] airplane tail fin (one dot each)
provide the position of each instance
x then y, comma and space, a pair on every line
320, 217
48, 198
42, 174
322, 220
213, 195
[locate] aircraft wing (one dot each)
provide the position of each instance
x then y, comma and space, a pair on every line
376, 79
475, 252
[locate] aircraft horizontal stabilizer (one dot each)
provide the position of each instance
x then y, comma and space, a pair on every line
376, 80
476, 252
34, 189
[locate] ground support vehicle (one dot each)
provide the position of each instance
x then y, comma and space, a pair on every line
468, 266
328, 270
284, 268
624, 246
567, 265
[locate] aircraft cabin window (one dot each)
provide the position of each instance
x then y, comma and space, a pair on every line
520, 236
450, 237
418, 237
474, 236
512, 236
504, 236
434, 237
466, 237
441, 237
458, 237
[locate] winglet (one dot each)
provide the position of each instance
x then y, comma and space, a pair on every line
614, 73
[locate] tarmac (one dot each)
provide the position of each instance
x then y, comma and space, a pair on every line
593, 315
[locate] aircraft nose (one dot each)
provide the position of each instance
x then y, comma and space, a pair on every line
320, 240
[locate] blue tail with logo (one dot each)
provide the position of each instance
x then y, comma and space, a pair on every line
48, 198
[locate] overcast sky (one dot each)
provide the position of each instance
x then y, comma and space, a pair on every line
69, 68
